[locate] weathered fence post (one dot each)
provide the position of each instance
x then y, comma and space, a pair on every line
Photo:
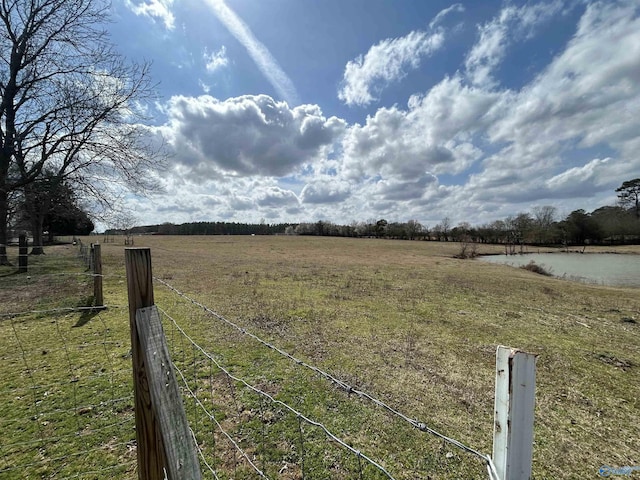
164, 444
140, 290
514, 412
97, 275
23, 257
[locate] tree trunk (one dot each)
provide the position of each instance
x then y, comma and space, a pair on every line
4, 233
38, 237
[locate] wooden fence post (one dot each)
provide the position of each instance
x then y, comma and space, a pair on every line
181, 460
164, 443
140, 290
97, 275
23, 257
514, 412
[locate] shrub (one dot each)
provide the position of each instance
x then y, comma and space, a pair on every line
535, 268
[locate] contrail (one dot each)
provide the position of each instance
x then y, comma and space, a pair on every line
257, 51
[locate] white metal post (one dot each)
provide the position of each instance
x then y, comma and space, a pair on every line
514, 411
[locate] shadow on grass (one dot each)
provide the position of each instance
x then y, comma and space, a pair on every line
88, 314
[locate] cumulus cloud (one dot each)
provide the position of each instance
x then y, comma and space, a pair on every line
390, 60
247, 135
466, 148
587, 98
403, 190
240, 202
515, 147
591, 91
278, 198
579, 180
325, 191
154, 9
432, 135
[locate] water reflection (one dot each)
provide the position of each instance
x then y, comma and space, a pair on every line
601, 268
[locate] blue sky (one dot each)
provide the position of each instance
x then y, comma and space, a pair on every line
343, 110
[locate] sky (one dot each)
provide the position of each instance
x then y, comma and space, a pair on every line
356, 110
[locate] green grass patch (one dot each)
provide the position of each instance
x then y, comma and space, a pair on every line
403, 321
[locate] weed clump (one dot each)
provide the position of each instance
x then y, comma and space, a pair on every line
467, 250
535, 268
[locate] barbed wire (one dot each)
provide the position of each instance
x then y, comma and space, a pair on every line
201, 454
272, 400
422, 426
212, 417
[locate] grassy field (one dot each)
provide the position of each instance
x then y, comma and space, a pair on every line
404, 321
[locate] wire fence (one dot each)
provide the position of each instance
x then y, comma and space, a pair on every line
306, 422
254, 409
65, 389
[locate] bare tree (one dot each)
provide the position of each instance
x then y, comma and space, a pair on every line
124, 221
445, 226
68, 103
414, 228
543, 219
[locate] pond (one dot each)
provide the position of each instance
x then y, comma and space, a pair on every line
601, 268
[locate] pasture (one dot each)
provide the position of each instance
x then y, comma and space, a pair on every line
401, 320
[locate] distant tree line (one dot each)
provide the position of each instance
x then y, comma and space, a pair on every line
203, 228
606, 225
609, 225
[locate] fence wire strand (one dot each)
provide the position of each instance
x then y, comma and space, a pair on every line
422, 426
68, 409
201, 454
212, 417
273, 400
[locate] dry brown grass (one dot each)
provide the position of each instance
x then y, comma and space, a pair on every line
419, 328
407, 322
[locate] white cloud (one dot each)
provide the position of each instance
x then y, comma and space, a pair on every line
384, 63
216, 60
276, 197
432, 136
495, 36
579, 180
466, 148
589, 95
256, 50
437, 20
404, 190
516, 147
154, 9
204, 86
246, 136
325, 191
390, 60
